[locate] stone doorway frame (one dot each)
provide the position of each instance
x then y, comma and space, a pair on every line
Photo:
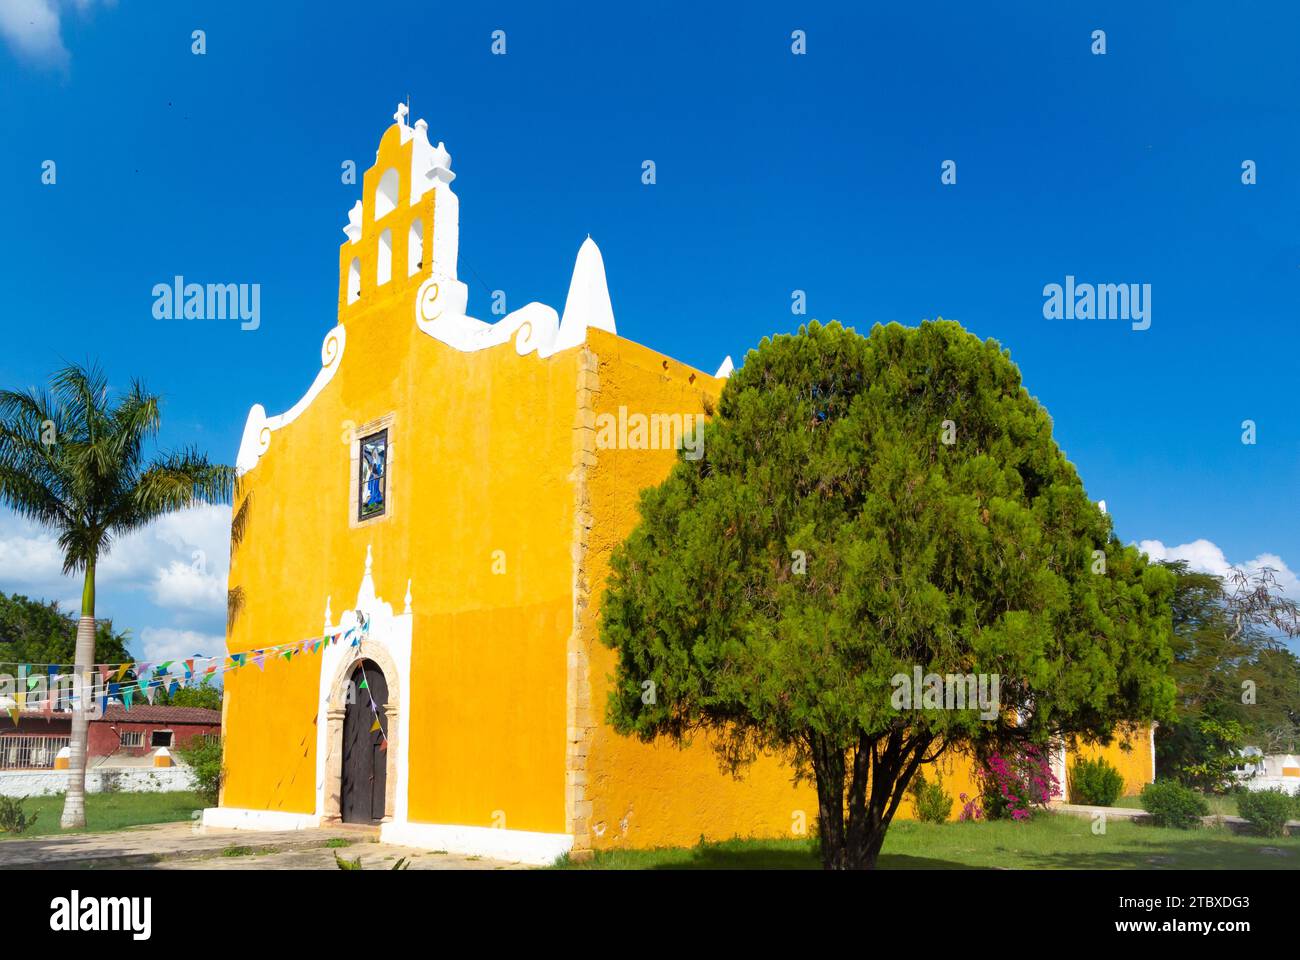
384, 637
335, 711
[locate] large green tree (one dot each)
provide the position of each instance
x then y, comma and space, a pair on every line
73, 458
865, 506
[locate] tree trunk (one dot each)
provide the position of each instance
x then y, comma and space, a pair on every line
880, 773
74, 805
828, 768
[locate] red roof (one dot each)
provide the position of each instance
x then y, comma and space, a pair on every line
144, 713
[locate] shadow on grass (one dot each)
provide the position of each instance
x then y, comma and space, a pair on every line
1194, 853
1048, 842
735, 857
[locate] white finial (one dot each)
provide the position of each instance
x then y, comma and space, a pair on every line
1102, 505
724, 371
328, 615
587, 304
408, 597
400, 115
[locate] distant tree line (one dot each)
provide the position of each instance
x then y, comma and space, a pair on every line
41, 632
1238, 684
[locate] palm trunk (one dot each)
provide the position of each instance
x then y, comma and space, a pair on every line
74, 806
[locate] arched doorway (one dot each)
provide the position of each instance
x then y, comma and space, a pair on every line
363, 792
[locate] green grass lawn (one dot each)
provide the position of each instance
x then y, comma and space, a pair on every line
111, 811
1049, 841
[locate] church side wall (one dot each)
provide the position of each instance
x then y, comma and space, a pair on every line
646, 795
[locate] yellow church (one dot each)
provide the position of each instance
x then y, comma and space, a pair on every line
439, 504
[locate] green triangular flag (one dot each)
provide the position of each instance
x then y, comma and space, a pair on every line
363, 685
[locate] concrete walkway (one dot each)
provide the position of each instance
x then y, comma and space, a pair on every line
1235, 824
1090, 812
187, 847
373, 856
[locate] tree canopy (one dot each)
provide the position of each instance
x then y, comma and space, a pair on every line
1237, 684
865, 506
36, 631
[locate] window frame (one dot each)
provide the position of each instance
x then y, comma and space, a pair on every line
383, 480
392, 493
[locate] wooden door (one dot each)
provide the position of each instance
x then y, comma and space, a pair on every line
365, 762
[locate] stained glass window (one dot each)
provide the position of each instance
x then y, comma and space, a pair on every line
372, 489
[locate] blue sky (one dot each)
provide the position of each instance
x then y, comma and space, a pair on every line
775, 173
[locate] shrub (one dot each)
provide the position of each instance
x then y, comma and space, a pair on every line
929, 800
1015, 782
1267, 810
971, 809
1173, 805
1095, 782
203, 756
12, 818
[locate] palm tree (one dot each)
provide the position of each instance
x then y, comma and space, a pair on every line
74, 462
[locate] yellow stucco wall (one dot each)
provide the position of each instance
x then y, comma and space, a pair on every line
480, 450
1129, 753
651, 795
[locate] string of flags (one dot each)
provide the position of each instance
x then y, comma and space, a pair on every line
148, 677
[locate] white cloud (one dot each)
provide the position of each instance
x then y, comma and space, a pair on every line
188, 587
180, 560
32, 28
169, 643
1204, 556
30, 559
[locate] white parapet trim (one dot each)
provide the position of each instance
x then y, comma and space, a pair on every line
239, 818
519, 846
